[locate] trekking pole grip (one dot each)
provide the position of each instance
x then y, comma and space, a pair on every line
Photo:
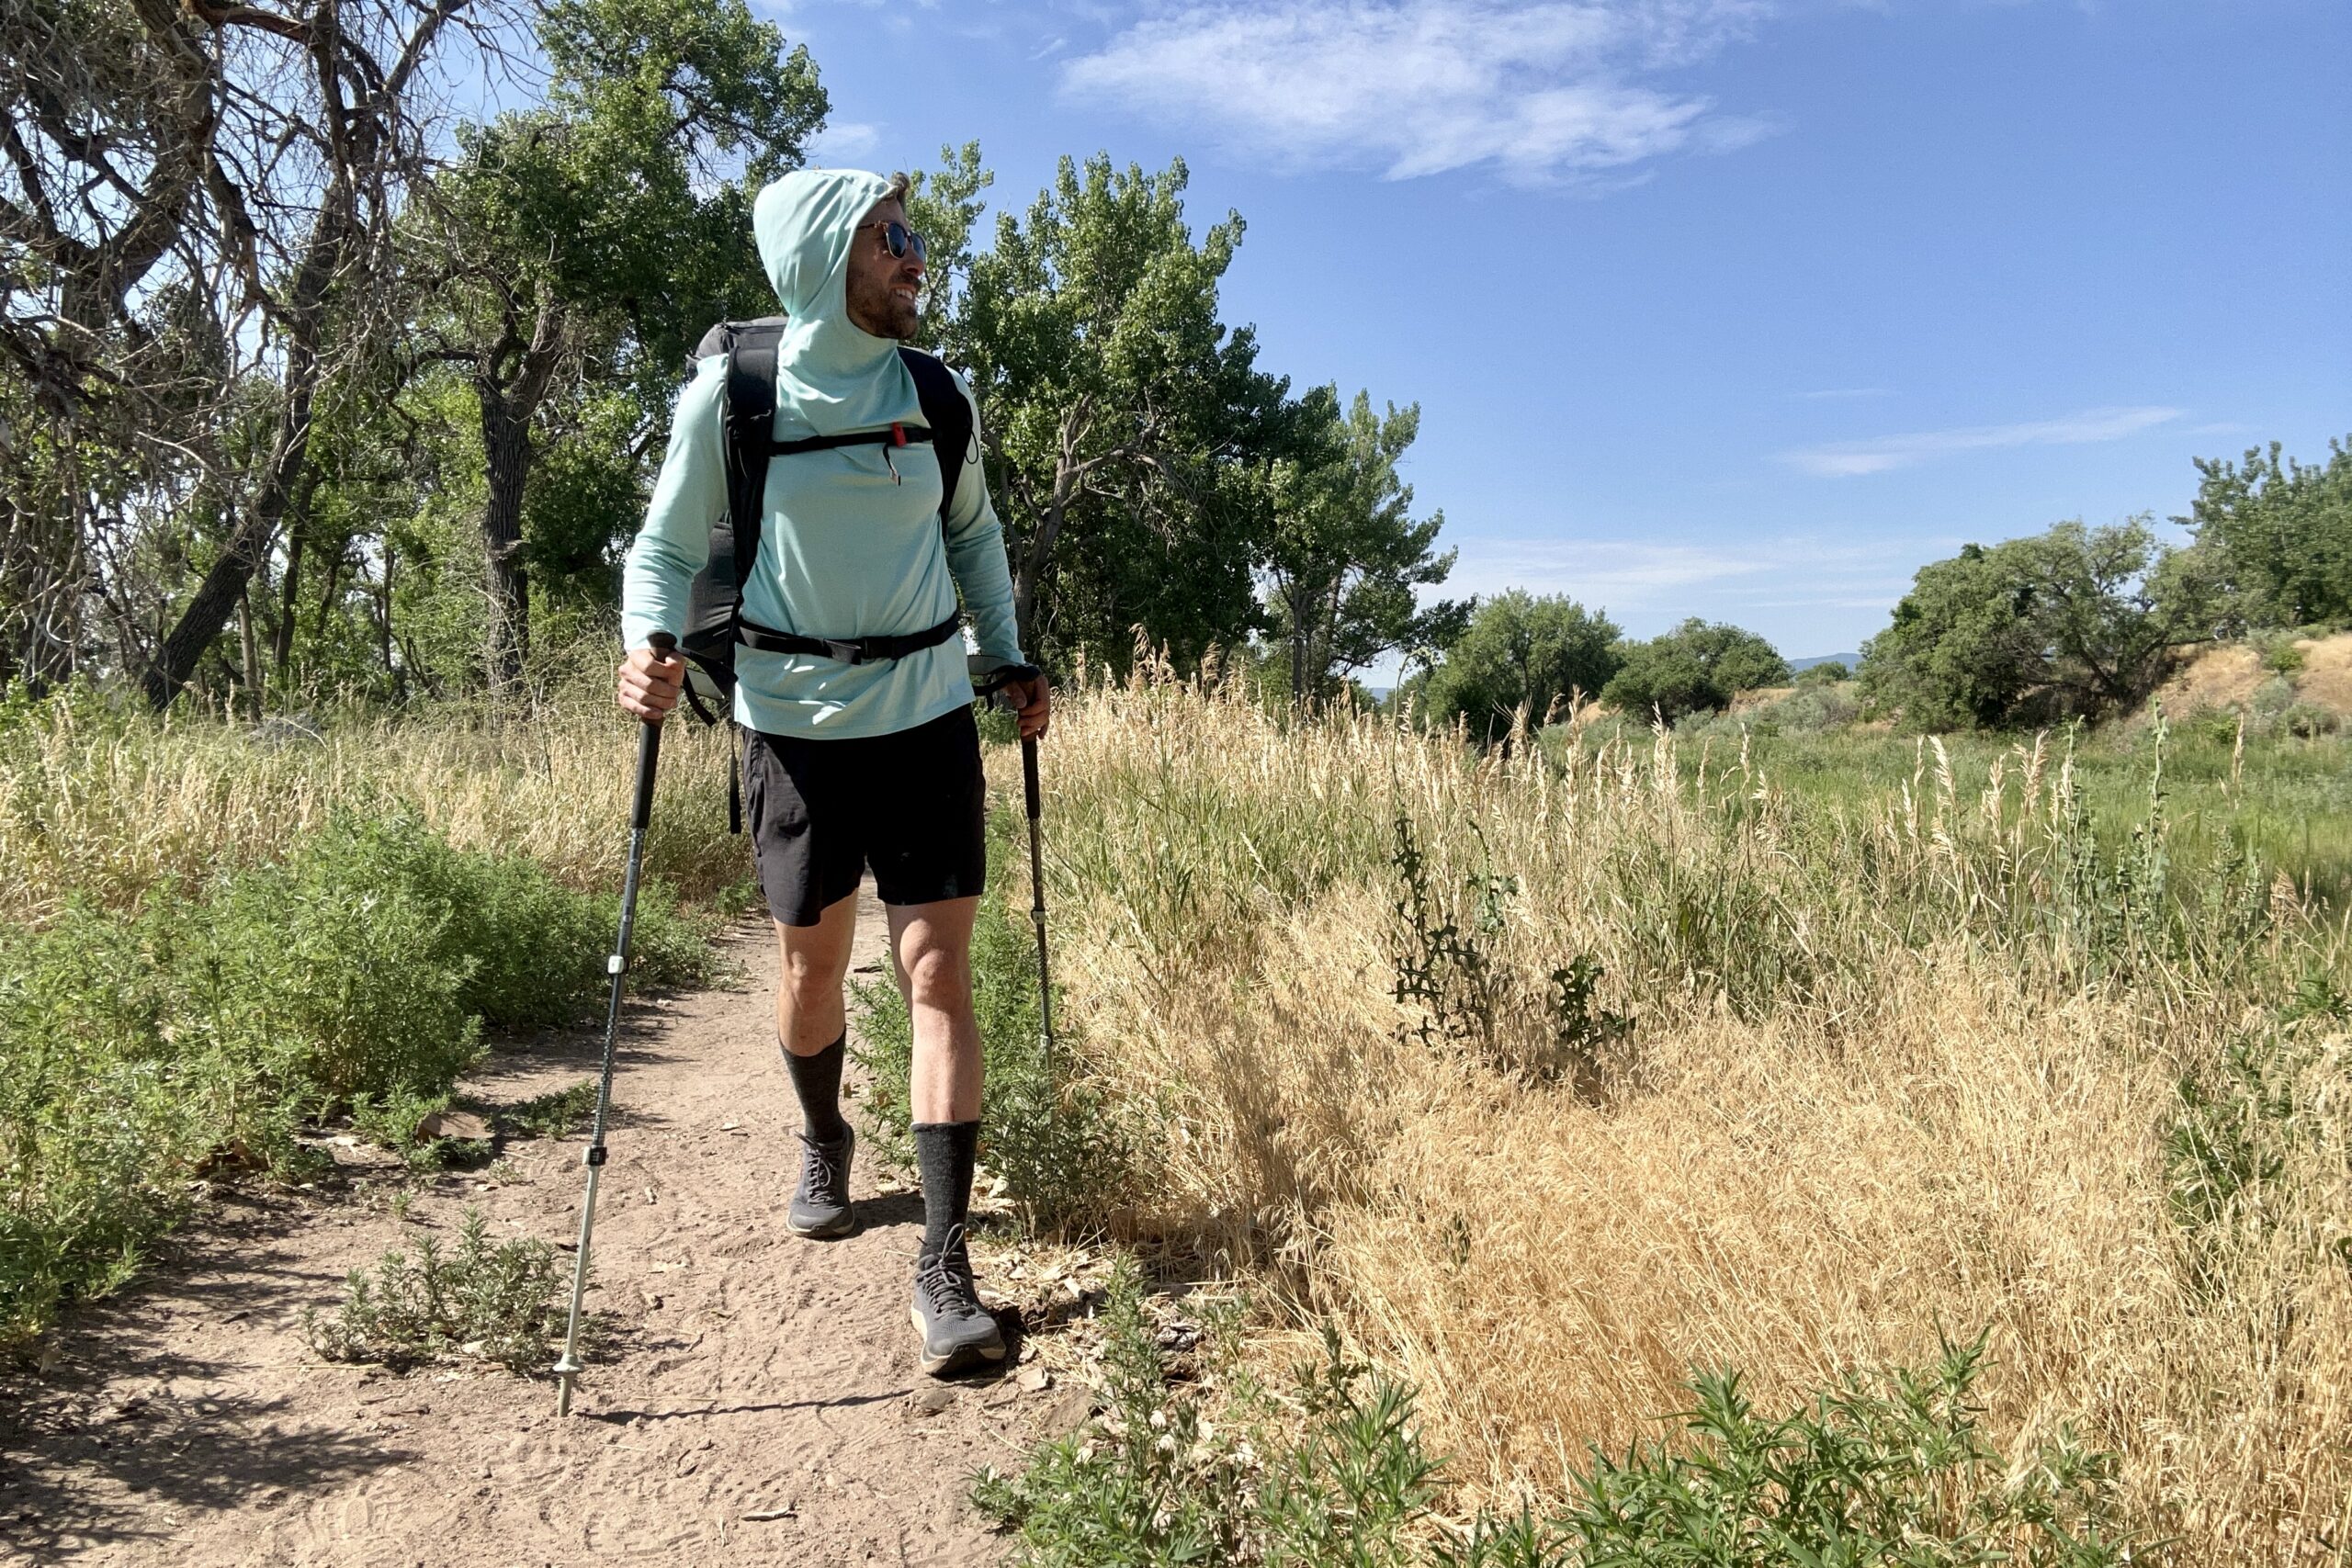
649, 747
1029, 776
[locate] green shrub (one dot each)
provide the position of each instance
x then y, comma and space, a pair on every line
1066, 1158
341, 967
553, 1114
1889, 1471
353, 975
1159, 1482
99, 1106
2279, 653
1874, 1470
503, 1303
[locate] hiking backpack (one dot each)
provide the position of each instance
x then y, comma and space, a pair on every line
715, 621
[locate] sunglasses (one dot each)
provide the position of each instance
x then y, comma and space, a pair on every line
900, 239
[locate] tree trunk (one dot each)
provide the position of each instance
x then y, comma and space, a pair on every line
1298, 639
506, 454
297, 533
249, 652
507, 410
217, 596
398, 676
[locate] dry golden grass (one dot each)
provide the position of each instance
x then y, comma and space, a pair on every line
109, 807
1891, 1079
2227, 675
1894, 1075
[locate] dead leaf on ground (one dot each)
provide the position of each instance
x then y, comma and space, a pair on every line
461, 1125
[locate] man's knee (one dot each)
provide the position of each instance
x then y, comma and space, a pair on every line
940, 977
812, 970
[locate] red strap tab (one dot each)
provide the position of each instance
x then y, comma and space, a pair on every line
897, 433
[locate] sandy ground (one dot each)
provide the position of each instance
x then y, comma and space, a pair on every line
748, 1373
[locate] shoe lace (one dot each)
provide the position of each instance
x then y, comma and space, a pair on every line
818, 1174
944, 1278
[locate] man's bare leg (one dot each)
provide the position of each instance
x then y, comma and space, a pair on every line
811, 962
933, 946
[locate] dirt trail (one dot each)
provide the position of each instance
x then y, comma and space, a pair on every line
187, 1423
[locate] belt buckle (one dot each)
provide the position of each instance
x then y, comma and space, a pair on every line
847, 653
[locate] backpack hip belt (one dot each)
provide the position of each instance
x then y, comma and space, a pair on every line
848, 650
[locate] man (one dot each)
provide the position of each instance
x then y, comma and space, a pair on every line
852, 763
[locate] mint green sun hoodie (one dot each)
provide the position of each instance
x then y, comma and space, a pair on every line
852, 544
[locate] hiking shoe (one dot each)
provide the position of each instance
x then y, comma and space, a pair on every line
957, 1334
821, 1207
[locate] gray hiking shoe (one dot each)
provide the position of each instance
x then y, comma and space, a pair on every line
957, 1334
821, 1207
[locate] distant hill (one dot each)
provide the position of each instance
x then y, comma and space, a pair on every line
1850, 660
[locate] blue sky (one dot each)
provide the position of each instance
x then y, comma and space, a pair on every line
1741, 309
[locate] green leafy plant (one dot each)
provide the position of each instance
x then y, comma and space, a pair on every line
555, 1113
503, 1303
197, 1034
1892, 1471
1160, 1479
1448, 959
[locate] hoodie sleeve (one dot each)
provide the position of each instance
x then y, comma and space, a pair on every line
689, 496
975, 555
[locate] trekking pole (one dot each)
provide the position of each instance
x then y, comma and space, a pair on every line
992, 687
1037, 901
648, 752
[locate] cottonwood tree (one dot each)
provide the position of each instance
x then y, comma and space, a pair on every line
1115, 404
1697, 667
577, 250
1343, 554
1521, 651
242, 163
2281, 537
2075, 621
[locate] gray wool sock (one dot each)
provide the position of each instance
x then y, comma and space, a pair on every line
817, 1079
945, 1153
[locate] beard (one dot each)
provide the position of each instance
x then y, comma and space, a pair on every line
873, 307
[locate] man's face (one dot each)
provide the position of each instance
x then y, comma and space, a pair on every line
883, 288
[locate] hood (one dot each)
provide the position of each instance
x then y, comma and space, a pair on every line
831, 374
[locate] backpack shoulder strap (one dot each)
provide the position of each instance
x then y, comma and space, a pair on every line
949, 415
750, 347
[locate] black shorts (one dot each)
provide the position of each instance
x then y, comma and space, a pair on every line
912, 805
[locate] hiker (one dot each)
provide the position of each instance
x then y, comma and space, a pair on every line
856, 756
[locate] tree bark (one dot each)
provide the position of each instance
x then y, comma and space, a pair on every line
507, 410
224, 584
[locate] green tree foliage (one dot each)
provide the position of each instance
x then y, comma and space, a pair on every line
577, 250
1343, 552
1697, 667
1520, 650
1115, 406
2280, 535
2076, 620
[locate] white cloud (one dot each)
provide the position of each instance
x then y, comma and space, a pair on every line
1624, 575
1539, 92
842, 140
1880, 453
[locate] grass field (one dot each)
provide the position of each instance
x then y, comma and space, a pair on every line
1550, 1080
1806, 1061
